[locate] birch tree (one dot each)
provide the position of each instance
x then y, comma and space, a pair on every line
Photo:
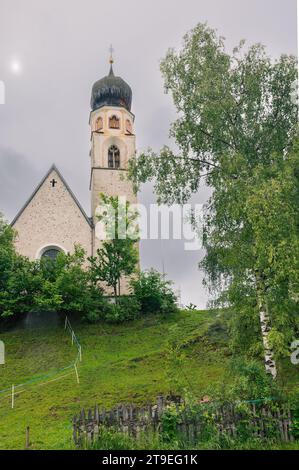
236, 114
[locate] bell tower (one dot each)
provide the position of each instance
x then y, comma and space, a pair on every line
113, 141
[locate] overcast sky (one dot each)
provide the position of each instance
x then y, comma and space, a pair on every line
61, 49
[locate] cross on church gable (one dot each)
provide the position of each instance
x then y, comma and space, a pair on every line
53, 183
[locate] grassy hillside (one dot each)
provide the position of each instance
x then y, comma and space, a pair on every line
125, 363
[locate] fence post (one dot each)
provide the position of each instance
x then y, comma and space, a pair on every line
73, 337
65, 323
77, 376
12, 396
80, 353
27, 437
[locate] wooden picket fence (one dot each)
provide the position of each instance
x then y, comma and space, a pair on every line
265, 421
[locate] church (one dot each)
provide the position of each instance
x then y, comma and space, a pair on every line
52, 220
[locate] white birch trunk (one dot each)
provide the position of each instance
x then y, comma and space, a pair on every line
270, 363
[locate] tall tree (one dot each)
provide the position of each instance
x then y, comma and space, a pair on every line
236, 116
252, 243
118, 255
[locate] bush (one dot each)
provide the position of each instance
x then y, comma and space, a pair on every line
19, 278
127, 308
67, 286
246, 380
294, 402
251, 382
154, 293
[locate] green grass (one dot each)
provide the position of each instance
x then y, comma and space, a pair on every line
112, 440
121, 363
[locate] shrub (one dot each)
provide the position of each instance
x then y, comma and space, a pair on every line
127, 308
19, 278
294, 401
169, 422
251, 382
67, 286
154, 293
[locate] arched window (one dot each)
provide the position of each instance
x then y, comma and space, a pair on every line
51, 253
113, 157
114, 122
99, 124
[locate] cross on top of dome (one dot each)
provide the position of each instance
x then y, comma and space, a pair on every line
111, 90
111, 50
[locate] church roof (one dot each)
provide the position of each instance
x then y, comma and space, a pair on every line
53, 168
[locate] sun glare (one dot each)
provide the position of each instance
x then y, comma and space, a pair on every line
15, 67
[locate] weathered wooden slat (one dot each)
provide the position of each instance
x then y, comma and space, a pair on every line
134, 420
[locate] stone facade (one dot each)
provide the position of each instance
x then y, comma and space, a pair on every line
52, 218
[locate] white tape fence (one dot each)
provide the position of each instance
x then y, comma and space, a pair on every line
15, 390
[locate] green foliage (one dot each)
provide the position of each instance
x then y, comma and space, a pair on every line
118, 255
113, 440
6, 250
294, 402
228, 105
110, 439
154, 293
169, 422
65, 286
150, 294
237, 127
126, 309
249, 381
74, 285
175, 358
259, 255
295, 424
209, 436
19, 277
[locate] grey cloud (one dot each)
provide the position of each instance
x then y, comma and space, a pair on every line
18, 175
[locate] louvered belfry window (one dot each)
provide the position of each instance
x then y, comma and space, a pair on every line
113, 157
99, 124
114, 122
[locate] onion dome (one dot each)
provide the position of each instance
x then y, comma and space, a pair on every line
111, 91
